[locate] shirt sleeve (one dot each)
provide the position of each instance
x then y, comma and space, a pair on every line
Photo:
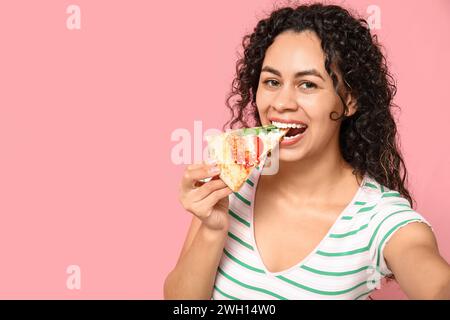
385, 223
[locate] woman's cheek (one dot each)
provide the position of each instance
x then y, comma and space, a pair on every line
262, 102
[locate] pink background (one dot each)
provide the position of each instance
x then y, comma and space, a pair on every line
86, 116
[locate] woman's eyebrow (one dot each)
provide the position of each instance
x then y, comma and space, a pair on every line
309, 72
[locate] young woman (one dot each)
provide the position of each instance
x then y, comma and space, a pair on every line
337, 216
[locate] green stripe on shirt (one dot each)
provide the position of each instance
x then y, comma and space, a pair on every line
370, 185
229, 255
362, 295
273, 294
240, 197
327, 293
366, 248
350, 233
334, 274
238, 218
225, 294
365, 209
391, 194
245, 244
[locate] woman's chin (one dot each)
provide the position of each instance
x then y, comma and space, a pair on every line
290, 155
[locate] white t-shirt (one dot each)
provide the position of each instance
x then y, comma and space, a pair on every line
347, 263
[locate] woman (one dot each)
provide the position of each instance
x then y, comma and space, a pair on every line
337, 216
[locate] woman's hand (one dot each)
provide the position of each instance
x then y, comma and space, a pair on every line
208, 201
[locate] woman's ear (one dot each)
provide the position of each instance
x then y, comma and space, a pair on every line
350, 101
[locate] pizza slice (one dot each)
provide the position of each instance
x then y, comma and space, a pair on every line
237, 152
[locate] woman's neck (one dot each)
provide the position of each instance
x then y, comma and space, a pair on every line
309, 180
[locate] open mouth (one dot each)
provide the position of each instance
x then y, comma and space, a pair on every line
293, 129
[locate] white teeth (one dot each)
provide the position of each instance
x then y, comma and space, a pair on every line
290, 138
288, 125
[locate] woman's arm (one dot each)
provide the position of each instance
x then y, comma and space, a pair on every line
412, 255
194, 274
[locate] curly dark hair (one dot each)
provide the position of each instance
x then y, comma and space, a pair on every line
368, 138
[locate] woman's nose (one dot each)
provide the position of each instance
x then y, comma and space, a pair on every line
285, 101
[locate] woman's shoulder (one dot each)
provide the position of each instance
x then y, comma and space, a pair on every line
383, 197
393, 210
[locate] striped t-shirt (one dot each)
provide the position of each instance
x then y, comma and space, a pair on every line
347, 264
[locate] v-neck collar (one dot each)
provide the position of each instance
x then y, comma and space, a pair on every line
255, 178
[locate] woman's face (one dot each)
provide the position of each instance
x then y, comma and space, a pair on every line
295, 88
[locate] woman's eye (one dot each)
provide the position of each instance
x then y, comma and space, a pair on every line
271, 83
308, 85
305, 85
